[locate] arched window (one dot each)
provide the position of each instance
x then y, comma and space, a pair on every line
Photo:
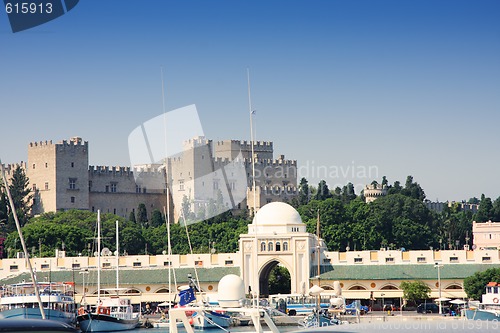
285, 246
278, 246
263, 246
270, 246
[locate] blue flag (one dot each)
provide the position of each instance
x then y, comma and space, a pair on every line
186, 296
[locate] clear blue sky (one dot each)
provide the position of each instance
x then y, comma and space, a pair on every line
403, 87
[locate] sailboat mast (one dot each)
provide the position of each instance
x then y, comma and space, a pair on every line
98, 257
318, 254
251, 142
117, 258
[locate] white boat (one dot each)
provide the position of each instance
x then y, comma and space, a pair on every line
18, 301
489, 308
113, 313
204, 319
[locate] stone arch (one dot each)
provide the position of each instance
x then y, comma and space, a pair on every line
265, 271
357, 287
454, 286
389, 287
162, 290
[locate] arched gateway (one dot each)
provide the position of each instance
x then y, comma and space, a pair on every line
278, 235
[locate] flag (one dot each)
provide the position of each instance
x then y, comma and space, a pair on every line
186, 296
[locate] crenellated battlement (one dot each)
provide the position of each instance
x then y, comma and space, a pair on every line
74, 141
274, 190
116, 170
272, 162
9, 168
246, 145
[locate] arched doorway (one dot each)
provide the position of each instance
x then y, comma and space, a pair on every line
274, 279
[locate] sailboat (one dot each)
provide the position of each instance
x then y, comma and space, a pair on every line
113, 313
320, 317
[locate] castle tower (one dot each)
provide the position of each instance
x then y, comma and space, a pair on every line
374, 191
58, 174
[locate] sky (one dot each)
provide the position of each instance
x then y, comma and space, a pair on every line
352, 90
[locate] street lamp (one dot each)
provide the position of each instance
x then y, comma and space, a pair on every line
438, 266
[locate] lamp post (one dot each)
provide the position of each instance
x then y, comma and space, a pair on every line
438, 266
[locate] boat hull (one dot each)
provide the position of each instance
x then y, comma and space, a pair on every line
34, 313
105, 323
209, 319
479, 314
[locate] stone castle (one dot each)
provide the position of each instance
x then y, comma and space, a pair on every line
61, 178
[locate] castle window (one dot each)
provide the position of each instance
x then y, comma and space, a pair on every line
46, 186
270, 246
72, 199
285, 246
137, 189
278, 246
216, 185
33, 188
263, 246
72, 183
90, 185
113, 187
72, 164
144, 190
46, 164
233, 186
33, 165
106, 189
181, 184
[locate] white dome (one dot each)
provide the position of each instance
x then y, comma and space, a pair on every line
231, 291
277, 213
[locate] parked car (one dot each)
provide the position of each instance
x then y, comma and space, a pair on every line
351, 308
427, 308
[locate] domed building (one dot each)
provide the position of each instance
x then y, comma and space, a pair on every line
277, 235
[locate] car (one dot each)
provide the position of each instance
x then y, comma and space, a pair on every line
351, 308
427, 308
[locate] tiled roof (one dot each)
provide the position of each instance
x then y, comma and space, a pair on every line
129, 276
403, 272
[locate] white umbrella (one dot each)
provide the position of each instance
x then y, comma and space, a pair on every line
443, 299
458, 301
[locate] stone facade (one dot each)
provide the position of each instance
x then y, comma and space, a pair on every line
373, 191
486, 235
62, 179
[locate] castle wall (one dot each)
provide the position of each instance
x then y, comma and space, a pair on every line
122, 204
72, 180
231, 148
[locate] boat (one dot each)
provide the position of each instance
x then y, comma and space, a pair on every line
18, 301
321, 317
35, 326
489, 308
112, 313
206, 318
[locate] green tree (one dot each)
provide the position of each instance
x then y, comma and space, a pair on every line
279, 280
303, 191
414, 291
323, 191
484, 212
474, 286
142, 215
413, 190
21, 197
131, 217
156, 218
